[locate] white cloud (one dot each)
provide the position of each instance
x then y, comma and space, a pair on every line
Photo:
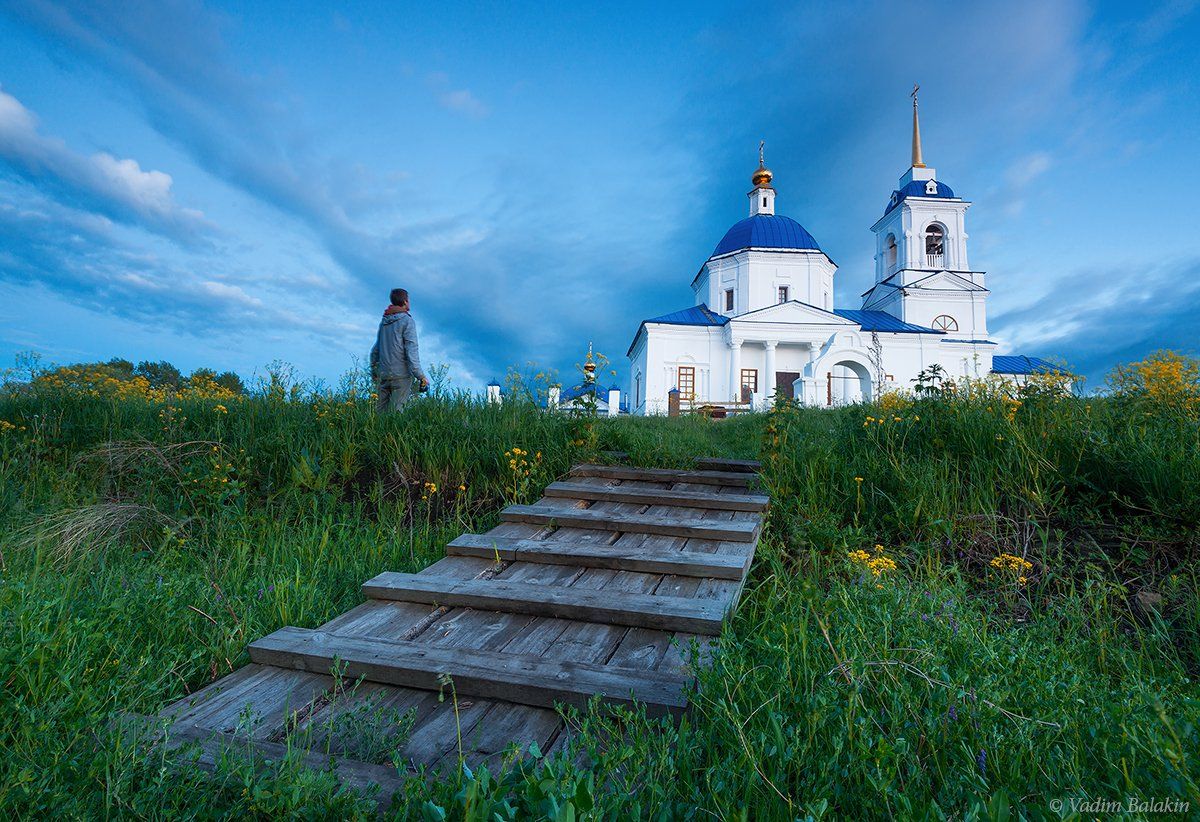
461, 100
464, 101
117, 187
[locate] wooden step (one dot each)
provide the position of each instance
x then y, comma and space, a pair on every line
663, 525
738, 466
697, 616
658, 496
623, 472
206, 748
617, 557
526, 680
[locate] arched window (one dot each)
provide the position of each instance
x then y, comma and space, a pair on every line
890, 252
944, 322
935, 245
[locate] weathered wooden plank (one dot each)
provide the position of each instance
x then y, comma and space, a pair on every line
618, 556
623, 472
518, 678
658, 496
738, 466
635, 610
663, 525
209, 747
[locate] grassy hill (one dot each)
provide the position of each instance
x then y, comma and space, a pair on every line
965, 603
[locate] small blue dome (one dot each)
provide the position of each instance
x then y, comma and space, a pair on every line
766, 231
917, 189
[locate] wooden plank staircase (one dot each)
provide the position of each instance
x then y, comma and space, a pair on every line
603, 587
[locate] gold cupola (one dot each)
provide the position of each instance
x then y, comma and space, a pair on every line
762, 175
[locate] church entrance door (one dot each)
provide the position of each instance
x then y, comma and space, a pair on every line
783, 383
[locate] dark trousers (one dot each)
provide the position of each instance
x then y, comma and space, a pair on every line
393, 393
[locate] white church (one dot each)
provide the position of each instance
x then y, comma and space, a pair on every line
763, 320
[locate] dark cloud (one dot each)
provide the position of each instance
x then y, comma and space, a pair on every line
81, 256
1098, 318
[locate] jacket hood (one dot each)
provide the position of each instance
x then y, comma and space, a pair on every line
388, 319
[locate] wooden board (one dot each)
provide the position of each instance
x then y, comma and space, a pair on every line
209, 747
622, 472
618, 556
739, 466
667, 525
658, 496
518, 678
636, 610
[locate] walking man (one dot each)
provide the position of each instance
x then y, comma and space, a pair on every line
395, 357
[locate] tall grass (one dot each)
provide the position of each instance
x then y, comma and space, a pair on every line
944, 687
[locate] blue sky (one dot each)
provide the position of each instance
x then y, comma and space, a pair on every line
229, 185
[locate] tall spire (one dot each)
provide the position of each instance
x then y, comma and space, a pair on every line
916, 147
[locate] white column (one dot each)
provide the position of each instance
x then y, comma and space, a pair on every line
735, 370
768, 386
614, 401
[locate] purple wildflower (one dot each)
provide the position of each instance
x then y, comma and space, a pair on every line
981, 760
953, 714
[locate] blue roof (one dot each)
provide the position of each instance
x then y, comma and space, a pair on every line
577, 391
766, 231
917, 189
882, 321
696, 315
1020, 364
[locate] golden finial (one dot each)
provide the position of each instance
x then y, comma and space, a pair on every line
916, 147
762, 176
589, 366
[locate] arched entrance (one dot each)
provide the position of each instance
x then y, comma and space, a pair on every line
847, 383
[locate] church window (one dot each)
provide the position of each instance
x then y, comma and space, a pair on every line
750, 379
764, 202
890, 251
729, 299
931, 187
944, 322
687, 382
783, 294
935, 245
637, 391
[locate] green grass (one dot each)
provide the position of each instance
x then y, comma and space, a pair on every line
133, 575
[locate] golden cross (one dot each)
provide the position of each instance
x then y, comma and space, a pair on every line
761, 143
916, 88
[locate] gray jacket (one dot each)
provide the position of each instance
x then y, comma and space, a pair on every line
395, 353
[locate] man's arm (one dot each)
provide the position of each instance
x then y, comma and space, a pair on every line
412, 351
375, 357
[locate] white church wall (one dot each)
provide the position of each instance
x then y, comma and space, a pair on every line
667, 347
637, 377
756, 277
966, 308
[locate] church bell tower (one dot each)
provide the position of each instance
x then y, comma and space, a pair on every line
923, 228
921, 271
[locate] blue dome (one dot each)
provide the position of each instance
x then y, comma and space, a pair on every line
766, 231
917, 189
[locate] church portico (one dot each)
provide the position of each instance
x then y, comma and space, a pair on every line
763, 322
